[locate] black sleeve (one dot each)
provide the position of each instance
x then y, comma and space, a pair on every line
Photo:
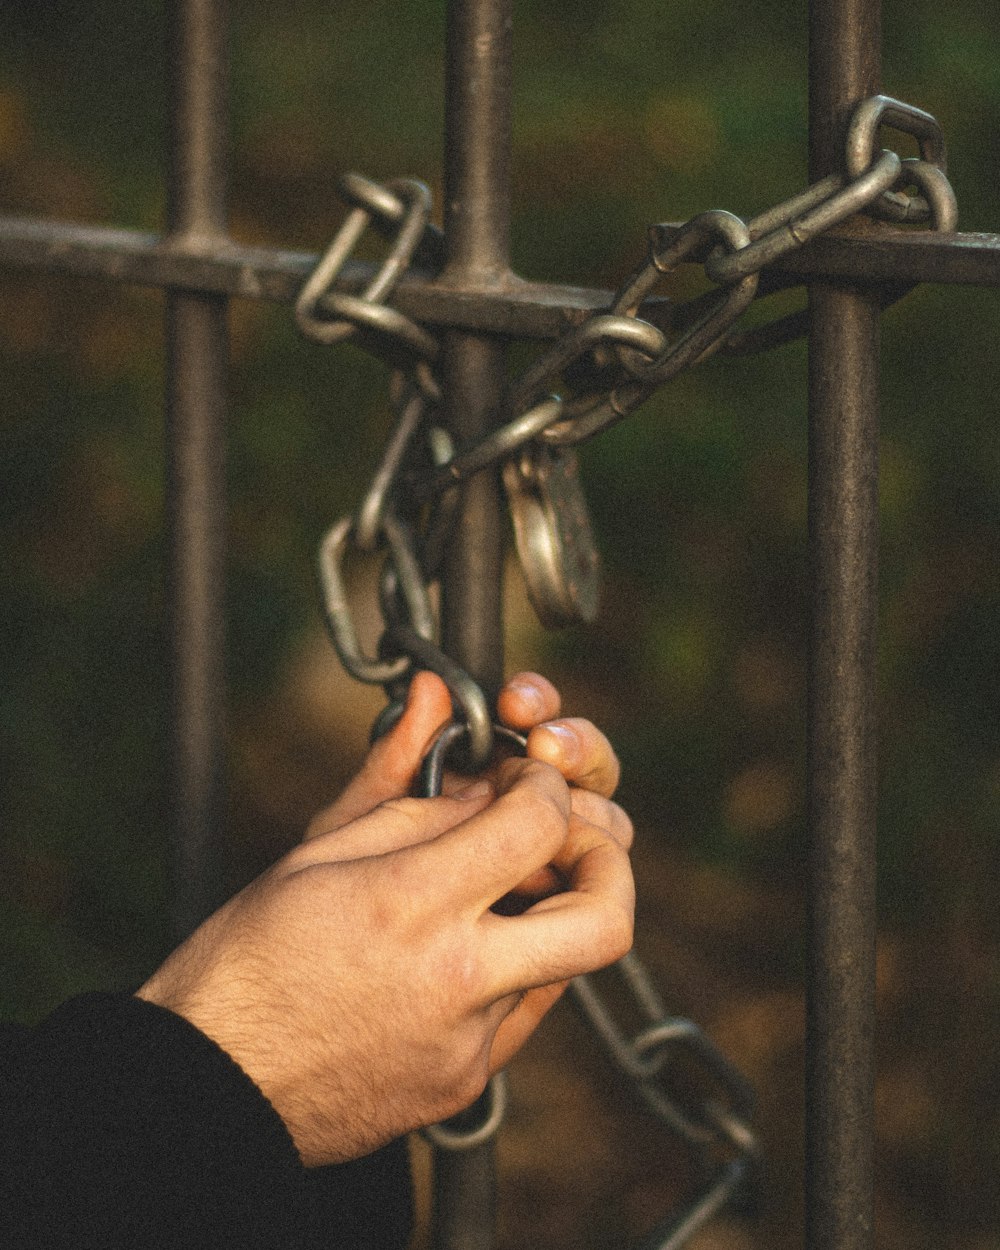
125, 1126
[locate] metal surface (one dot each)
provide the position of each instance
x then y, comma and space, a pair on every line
701, 333
659, 1058
477, 232
554, 538
843, 545
478, 125
494, 1104
883, 110
196, 404
411, 408
337, 610
409, 216
513, 307
790, 226
937, 198
467, 696
645, 1057
432, 768
680, 1228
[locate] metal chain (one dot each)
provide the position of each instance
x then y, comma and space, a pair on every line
603, 370
402, 205
644, 1055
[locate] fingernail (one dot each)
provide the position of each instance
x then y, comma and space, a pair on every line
529, 695
479, 789
569, 742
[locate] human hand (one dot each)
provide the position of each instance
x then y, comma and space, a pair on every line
365, 983
527, 702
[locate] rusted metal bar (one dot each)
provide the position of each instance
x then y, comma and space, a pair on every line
478, 125
196, 401
509, 306
477, 248
843, 544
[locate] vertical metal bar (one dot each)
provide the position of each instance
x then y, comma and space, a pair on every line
195, 401
843, 540
477, 245
477, 249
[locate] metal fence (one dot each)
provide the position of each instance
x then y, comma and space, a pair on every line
477, 309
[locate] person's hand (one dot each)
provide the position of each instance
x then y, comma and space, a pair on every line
364, 982
527, 702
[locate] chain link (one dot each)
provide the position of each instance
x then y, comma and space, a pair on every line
337, 611
936, 192
883, 110
405, 204
644, 1056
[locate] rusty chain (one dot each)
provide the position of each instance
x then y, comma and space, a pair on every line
593, 376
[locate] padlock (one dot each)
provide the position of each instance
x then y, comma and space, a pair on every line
552, 532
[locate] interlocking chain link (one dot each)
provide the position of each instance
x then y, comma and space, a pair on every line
883, 110
645, 1055
593, 376
719, 1126
406, 205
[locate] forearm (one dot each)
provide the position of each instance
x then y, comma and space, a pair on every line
123, 1125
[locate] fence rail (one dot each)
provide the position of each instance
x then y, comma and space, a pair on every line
515, 307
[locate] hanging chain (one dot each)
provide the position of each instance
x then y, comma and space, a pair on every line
716, 1124
593, 376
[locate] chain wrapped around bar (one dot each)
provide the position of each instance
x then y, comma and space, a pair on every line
412, 537
603, 369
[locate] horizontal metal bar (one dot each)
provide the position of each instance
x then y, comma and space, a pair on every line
902, 257
514, 308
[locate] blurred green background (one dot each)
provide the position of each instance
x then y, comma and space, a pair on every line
626, 113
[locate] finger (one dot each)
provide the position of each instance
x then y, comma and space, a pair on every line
527, 699
591, 808
605, 813
480, 860
540, 884
580, 751
392, 763
586, 927
394, 825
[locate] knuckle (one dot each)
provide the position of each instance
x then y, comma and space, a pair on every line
587, 804
543, 813
624, 829
605, 814
537, 781
469, 1087
302, 855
